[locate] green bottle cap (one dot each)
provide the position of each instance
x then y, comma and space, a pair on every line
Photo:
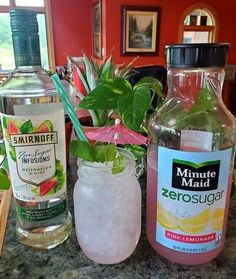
25, 37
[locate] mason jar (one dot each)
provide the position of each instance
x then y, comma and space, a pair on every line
107, 210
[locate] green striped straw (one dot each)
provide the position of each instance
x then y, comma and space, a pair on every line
69, 108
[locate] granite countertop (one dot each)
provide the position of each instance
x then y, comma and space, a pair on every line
68, 261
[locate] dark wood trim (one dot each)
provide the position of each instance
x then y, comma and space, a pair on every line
99, 3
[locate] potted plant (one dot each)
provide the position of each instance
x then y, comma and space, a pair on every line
106, 93
87, 74
131, 103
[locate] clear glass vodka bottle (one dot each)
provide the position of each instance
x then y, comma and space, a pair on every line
34, 135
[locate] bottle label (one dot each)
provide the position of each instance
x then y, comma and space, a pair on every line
35, 145
199, 140
41, 214
191, 198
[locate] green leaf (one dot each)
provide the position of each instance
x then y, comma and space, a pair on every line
136, 150
133, 106
12, 152
205, 101
60, 175
35, 191
5, 182
95, 67
202, 114
4, 164
2, 149
27, 127
83, 150
105, 153
197, 119
119, 164
59, 167
106, 69
102, 115
119, 85
126, 71
105, 95
100, 98
152, 83
5, 122
90, 74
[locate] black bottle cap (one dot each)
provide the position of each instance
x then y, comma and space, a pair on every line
196, 55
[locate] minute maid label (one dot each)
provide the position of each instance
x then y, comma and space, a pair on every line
191, 199
35, 144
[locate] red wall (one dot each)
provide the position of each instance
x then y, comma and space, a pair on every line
171, 12
71, 27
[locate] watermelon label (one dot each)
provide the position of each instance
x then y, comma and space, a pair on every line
35, 142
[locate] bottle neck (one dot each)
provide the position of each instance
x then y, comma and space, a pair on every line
25, 38
26, 49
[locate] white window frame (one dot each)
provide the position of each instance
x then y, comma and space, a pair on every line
48, 21
212, 29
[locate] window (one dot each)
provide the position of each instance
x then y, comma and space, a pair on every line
45, 32
198, 25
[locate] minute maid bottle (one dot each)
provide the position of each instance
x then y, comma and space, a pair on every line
190, 157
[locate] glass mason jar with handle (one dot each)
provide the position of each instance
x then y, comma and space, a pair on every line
190, 157
107, 210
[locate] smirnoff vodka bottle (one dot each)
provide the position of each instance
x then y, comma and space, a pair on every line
34, 135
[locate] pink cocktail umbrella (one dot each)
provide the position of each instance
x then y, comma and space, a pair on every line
118, 134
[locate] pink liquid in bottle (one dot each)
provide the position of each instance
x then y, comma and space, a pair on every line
170, 254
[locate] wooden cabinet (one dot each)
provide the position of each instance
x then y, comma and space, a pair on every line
5, 201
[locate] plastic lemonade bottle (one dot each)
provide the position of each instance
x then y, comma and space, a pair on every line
190, 157
33, 126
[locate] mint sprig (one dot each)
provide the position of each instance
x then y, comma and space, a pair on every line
101, 153
105, 153
83, 150
118, 164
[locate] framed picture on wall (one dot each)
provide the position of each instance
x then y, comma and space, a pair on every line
140, 30
97, 29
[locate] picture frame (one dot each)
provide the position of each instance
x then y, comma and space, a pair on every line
140, 30
97, 28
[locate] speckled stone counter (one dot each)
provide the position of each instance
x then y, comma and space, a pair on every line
68, 261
